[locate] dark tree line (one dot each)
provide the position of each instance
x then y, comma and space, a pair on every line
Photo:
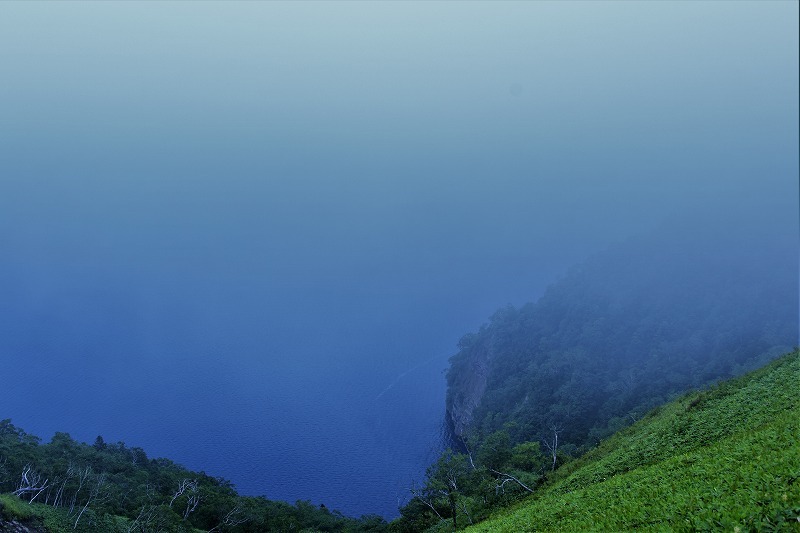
111, 487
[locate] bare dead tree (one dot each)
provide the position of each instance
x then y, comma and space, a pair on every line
423, 496
185, 485
142, 519
462, 506
149, 520
83, 475
56, 488
95, 495
500, 488
31, 483
450, 492
505, 478
191, 504
232, 518
190, 488
469, 452
59, 485
552, 444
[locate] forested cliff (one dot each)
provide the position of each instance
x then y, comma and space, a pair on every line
618, 336
626, 330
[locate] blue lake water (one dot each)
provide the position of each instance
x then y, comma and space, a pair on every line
300, 357
316, 422
298, 364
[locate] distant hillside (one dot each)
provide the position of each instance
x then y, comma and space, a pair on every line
625, 331
66, 486
725, 459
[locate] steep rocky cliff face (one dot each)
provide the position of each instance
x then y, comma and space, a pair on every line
471, 368
461, 404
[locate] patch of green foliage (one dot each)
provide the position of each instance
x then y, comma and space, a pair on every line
12, 508
723, 459
462, 489
65, 485
40, 515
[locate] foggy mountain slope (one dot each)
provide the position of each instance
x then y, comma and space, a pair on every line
628, 328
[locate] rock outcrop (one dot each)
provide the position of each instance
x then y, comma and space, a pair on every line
463, 400
13, 526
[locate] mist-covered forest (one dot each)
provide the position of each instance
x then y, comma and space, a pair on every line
629, 328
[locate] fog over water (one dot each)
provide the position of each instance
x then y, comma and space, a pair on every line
247, 236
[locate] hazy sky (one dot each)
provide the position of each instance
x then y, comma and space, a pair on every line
415, 135
284, 193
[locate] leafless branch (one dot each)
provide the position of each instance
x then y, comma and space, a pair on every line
95, 494
31, 483
421, 496
508, 477
552, 444
463, 508
186, 485
232, 518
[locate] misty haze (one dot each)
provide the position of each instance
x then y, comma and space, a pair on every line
398, 266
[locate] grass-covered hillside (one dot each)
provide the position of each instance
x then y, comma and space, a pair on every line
725, 459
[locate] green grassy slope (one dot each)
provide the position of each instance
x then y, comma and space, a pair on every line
723, 459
